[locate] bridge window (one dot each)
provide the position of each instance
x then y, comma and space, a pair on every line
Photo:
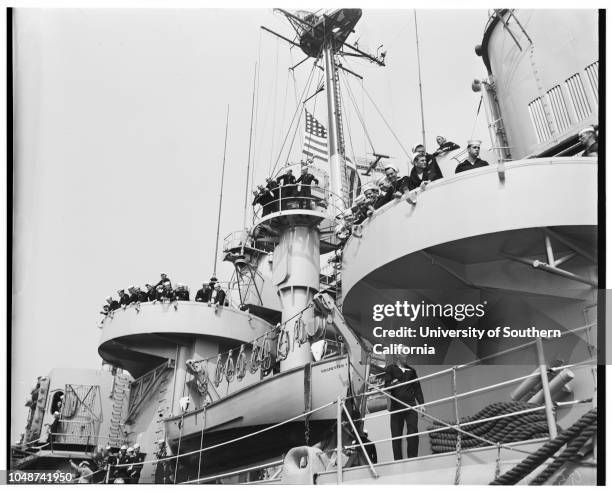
538, 118
592, 72
578, 95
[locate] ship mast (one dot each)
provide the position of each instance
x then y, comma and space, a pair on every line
324, 36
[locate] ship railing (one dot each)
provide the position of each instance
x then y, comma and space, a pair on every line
342, 413
237, 239
296, 197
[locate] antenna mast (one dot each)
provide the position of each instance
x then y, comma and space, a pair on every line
416, 34
221, 194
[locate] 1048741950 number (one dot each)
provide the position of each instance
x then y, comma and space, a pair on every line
38, 477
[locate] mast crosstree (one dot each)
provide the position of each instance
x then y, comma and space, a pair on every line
324, 36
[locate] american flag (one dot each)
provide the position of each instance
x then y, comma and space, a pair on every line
315, 139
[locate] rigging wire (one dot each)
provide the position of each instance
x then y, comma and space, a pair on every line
246, 189
386, 123
297, 126
346, 119
418, 53
359, 116
275, 103
307, 85
221, 193
256, 109
476, 118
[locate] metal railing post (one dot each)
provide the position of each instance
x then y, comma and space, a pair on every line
550, 412
339, 440
374, 473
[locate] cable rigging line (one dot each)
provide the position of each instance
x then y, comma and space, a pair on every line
348, 129
297, 126
221, 193
256, 109
418, 53
386, 123
275, 102
308, 82
359, 116
246, 189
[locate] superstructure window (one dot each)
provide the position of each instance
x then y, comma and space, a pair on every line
559, 108
592, 72
578, 96
538, 118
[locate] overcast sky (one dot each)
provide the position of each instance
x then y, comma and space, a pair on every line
119, 126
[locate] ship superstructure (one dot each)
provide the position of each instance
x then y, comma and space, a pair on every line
280, 384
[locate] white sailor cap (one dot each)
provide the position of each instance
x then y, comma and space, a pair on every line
474, 142
389, 165
371, 186
415, 155
416, 145
588, 129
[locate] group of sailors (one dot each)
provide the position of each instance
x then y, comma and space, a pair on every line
162, 291
122, 467
286, 191
392, 186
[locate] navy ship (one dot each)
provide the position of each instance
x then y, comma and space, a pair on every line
283, 384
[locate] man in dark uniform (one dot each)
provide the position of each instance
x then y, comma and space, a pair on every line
262, 197
430, 159
397, 185
397, 373
150, 292
124, 298
444, 146
142, 295
472, 161
218, 296
287, 187
422, 172
587, 138
204, 293
112, 303
182, 293
134, 297
168, 292
273, 189
164, 278
306, 179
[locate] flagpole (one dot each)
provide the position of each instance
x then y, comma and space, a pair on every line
221, 194
416, 34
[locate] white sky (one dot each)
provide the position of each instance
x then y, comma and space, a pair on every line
119, 126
